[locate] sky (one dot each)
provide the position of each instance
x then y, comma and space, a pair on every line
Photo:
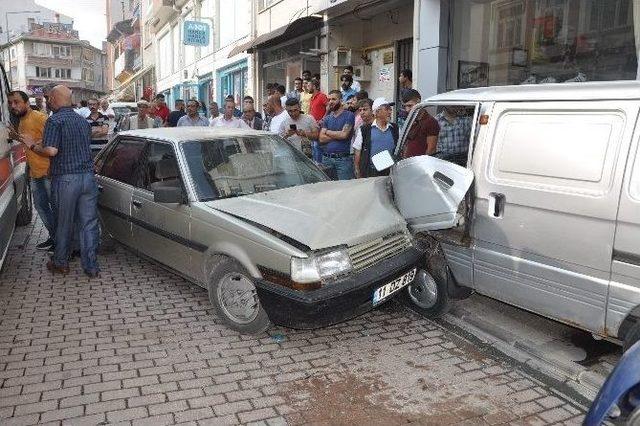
88, 17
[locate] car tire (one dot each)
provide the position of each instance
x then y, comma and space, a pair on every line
427, 295
25, 214
631, 337
233, 294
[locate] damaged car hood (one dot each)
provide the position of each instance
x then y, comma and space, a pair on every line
322, 215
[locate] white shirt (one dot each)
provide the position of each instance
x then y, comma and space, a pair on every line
357, 142
84, 111
276, 122
283, 101
355, 85
108, 112
234, 123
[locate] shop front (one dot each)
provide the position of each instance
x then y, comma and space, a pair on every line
233, 80
506, 42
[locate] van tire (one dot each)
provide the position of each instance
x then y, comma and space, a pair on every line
427, 295
631, 337
25, 214
229, 278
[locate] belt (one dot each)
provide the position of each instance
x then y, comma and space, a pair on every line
337, 154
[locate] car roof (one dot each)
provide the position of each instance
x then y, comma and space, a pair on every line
618, 90
184, 134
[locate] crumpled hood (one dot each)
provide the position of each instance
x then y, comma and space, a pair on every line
324, 214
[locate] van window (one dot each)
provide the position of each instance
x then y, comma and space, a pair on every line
557, 150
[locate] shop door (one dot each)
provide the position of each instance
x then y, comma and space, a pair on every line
404, 55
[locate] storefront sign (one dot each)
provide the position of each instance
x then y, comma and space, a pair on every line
196, 33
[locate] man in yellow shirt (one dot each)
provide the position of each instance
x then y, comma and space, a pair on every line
32, 126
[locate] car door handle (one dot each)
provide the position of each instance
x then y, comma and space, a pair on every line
496, 204
137, 204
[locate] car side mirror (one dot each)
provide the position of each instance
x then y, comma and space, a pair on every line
382, 160
168, 195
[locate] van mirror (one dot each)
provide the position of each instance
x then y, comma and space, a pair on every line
168, 195
382, 160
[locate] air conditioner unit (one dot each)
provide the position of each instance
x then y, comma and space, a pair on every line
341, 57
362, 72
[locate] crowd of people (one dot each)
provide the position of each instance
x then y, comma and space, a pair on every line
341, 130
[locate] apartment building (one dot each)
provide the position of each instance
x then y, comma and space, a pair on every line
52, 53
207, 73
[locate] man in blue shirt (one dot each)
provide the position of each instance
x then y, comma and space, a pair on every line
335, 137
74, 192
346, 87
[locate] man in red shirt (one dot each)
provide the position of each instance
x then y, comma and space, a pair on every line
161, 109
319, 101
422, 137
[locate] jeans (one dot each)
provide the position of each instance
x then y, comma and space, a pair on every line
342, 165
316, 152
41, 190
75, 202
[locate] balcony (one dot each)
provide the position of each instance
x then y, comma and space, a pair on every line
161, 12
125, 65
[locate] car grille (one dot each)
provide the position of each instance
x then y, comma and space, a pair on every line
369, 253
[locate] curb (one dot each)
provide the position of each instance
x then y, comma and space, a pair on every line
587, 383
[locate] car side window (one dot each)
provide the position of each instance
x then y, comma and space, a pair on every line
160, 167
123, 159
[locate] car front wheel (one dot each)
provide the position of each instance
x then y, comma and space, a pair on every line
26, 209
233, 294
427, 295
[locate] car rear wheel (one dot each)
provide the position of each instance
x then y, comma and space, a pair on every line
234, 296
26, 209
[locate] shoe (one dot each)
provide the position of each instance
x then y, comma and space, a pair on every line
45, 245
57, 269
92, 275
74, 254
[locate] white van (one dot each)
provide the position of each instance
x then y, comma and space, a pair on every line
552, 222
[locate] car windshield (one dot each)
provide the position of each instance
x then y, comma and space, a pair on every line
241, 165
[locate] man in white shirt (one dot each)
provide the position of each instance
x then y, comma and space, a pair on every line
278, 114
84, 110
227, 119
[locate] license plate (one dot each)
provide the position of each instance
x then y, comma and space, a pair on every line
387, 290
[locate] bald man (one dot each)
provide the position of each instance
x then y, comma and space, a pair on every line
74, 192
277, 112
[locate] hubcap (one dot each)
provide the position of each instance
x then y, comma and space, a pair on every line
423, 291
238, 298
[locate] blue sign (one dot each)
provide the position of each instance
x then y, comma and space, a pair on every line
196, 33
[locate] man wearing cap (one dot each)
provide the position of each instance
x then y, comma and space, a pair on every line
371, 139
141, 120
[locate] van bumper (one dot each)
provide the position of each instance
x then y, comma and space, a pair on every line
339, 301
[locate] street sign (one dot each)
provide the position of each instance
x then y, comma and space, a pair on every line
196, 33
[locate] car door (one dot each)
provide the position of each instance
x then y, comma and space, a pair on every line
548, 179
161, 231
115, 176
8, 204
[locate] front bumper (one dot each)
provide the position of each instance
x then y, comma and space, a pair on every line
339, 301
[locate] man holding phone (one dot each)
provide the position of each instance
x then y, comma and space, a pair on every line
298, 128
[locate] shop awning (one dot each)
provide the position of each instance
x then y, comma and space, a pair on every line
284, 33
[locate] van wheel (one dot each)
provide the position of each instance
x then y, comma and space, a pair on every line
631, 337
427, 295
26, 209
233, 294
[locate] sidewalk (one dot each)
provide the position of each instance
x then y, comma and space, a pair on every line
143, 346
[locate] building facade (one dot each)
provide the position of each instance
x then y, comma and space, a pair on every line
16, 17
52, 53
207, 73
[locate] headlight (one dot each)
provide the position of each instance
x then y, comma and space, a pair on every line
320, 266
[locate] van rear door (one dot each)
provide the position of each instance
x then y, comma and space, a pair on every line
623, 306
8, 203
